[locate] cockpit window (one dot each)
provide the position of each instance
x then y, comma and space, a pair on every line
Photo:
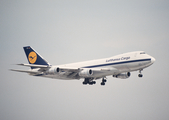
142, 53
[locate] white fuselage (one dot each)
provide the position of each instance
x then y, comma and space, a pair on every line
127, 62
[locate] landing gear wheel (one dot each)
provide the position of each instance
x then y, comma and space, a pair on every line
140, 75
102, 83
94, 82
84, 83
90, 83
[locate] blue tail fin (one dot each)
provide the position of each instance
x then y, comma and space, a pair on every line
33, 57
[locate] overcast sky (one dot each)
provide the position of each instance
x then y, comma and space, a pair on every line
66, 31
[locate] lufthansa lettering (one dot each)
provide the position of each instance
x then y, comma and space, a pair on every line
125, 58
118, 59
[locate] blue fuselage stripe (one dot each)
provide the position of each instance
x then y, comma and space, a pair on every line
131, 61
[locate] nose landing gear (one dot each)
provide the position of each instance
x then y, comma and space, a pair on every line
140, 75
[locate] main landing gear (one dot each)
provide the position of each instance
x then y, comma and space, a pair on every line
89, 81
103, 81
140, 75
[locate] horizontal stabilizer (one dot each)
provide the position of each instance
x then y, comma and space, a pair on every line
35, 65
26, 71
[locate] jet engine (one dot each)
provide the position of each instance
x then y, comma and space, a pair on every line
123, 75
86, 73
53, 70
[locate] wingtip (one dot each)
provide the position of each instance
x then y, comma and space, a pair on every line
11, 69
20, 64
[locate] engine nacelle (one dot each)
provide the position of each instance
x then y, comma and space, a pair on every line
53, 70
86, 73
123, 75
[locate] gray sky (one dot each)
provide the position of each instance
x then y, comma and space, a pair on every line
74, 30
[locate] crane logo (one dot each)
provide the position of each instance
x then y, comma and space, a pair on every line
32, 57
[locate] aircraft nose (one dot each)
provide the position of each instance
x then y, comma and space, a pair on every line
153, 60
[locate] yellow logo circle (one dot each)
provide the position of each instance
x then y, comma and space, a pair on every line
32, 57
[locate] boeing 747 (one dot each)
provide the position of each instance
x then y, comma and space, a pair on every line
119, 66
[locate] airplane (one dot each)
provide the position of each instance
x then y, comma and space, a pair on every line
119, 66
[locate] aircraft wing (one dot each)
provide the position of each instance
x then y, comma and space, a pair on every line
67, 72
69, 69
103, 69
70, 72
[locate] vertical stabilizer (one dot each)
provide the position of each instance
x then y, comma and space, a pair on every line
33, 57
